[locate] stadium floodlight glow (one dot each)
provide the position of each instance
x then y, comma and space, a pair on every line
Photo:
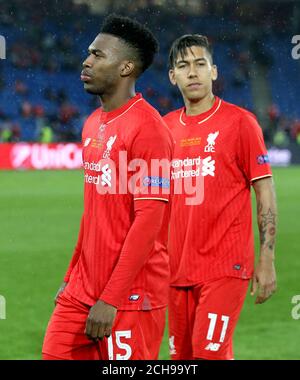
2, 47
2, 307
296, 49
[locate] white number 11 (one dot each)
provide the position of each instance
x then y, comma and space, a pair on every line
213, 320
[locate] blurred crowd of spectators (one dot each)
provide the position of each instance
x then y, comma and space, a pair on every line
281, 129
49, 126
40, 48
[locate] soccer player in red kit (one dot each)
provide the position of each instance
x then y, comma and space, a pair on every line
219, 154
113, 300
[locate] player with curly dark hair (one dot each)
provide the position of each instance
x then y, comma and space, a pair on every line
113, 300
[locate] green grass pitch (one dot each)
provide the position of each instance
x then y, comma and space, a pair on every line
39, 220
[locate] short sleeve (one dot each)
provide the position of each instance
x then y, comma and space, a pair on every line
253, 155
150, 161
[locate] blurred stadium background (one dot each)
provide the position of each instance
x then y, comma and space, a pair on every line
42, 109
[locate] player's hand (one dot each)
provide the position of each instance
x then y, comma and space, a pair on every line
263, 280
60, 290
100, 321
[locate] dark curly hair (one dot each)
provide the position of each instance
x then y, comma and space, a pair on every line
135, 35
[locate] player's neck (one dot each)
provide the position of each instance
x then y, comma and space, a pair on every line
196, 107
118, 99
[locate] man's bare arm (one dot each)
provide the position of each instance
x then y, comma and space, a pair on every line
264, 277
266, 215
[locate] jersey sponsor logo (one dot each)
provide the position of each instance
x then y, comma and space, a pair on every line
208, 166
203, 167
106, 176
109, 146
263, 159
213, 347
211, 141
186, 162
95, 166
115, 176
172, 345
237, 266
156, 182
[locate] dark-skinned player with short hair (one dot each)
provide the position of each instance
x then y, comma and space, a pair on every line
112, 303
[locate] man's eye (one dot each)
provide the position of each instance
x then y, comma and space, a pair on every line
94, 53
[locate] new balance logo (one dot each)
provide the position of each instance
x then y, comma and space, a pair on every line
211, 140
213, 346
101, 133
134, 297
208, 166
106, 176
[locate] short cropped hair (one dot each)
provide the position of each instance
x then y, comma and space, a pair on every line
182, 43
135, 35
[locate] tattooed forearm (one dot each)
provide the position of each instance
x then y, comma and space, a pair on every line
270, 244
266, 216
267, 226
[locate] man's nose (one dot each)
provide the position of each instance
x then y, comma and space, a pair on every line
87, 62
192, 72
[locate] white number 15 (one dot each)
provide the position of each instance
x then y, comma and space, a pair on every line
123, 346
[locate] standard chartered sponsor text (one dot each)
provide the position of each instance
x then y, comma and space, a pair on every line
133, 176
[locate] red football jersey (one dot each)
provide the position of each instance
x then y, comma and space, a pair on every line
217, 155
119, 148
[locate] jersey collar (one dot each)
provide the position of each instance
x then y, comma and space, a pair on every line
108, 117
202, 117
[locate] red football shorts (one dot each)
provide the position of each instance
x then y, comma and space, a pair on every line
202, 319
135, 335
